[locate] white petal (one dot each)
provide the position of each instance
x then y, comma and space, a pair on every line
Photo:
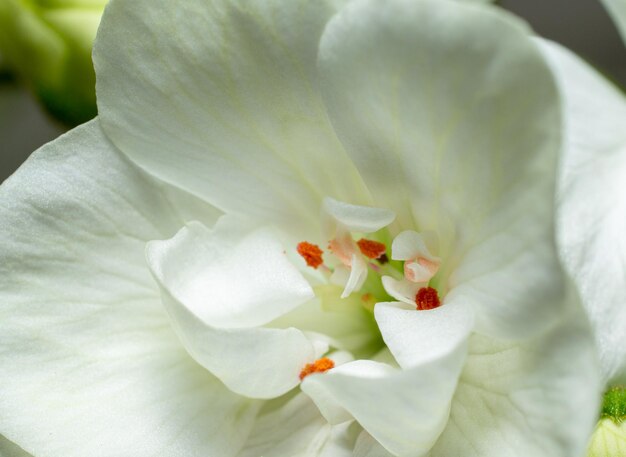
342, 440
539, 398
415, 337
358, 275
362, 219
367, 446
296, 429
229, 283
255, 362
402, 290
428, 98
221, 99
88, 363
408, 245
617, 10
216, 299
405, 410
592, 201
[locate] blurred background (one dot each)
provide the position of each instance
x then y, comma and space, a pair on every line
581, 25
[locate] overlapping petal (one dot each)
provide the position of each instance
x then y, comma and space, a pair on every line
221, 98
592, 201
219, 293
296, 429
429, 97
416, 337
539, 397
412, 404
405, 410
89, 362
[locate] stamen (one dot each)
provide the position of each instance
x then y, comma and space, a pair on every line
311, 253
427, 298
383, 259
370, 248
319, 366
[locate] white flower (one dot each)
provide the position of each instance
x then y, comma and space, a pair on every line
427, 126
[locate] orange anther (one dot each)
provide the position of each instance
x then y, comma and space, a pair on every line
311, 253
370, 248
427, 298
319, 366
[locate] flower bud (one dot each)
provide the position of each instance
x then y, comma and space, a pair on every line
48, 44
609, 437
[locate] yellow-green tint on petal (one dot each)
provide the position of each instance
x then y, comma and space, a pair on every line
100, 4
608, 440
49, 44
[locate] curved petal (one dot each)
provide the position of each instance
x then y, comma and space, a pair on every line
367, 446
295, 429
617, 10
255, 362
357, 218
409, 244
592, 201
402, 290
226, 282
221, 99
539, 398
411, 407
417, 337
358, 275
217, 291
428, 98
88, 362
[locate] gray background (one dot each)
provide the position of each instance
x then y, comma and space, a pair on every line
581, 25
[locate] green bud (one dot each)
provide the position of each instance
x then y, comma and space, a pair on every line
609, 437
48, 43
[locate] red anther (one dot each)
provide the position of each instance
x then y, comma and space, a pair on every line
427, 298
319, 366
370, 248
311, 253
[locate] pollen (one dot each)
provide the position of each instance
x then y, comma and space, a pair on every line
372, 249
311, 253
427, 298
319, 366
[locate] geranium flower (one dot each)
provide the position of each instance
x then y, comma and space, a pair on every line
301, 165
